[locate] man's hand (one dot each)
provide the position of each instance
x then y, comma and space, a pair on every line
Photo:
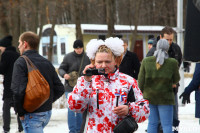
66, 76
121, 110
21, 118
88, 78
186, 97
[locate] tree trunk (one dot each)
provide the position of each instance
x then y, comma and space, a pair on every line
77, 20
110, 12
136, 19
4, 30
50, 48
15, 20
42, 17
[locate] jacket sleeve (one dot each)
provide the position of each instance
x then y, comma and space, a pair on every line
58, 87
79, 97
176, 76
195, 83
136, 65
179, 56
140, 108
141, 77
18, 85
62, 70
3, 63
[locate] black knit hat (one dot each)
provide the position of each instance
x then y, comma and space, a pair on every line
78, 44
6, 41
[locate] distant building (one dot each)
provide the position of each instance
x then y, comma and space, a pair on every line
65, 34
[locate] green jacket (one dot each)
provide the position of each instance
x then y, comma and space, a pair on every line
156, 85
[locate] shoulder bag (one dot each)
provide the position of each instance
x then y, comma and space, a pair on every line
37, 89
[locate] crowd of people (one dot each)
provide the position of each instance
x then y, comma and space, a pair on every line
116, 87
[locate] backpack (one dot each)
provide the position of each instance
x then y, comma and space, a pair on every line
37, 90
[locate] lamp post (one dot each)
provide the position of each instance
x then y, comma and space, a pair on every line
180, 43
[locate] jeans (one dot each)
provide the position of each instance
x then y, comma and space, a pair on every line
7, 104
175, 112
165, 113
74, 120
35, 122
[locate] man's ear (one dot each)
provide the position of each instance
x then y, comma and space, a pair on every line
160, 37
25, 44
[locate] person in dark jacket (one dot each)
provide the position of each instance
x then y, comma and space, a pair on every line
130, 64
8, 56
150, 43
33, 122
193, 86
73, 62
153, 49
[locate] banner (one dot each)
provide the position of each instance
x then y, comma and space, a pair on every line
192, 32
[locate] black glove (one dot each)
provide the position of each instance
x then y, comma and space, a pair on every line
186, 97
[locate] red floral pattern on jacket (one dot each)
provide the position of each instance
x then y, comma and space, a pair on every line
115, 84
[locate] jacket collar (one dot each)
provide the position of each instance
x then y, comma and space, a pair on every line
28, 52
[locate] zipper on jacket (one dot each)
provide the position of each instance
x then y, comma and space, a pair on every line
117, 101
97, 98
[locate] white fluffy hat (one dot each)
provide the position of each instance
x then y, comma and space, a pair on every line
114, 44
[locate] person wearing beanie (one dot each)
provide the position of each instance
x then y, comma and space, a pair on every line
157, 77
70, 69
150, 43
8, 56
78, 44
153, 48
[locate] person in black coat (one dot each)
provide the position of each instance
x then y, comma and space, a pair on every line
130, 64
8, 56
35, 121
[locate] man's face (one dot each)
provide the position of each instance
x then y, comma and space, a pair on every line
21, 47
125, 47
2, 49
78, 50
168, 37
106, 61
150, 46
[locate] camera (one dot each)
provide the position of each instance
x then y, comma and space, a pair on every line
93, 71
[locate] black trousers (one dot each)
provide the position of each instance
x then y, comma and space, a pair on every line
7, 104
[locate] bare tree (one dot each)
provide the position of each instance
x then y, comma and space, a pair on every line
136, 19
50, 48
77, 20
110, 13
15, 20
4, 30
41, 16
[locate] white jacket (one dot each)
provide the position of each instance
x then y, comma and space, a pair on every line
108, 88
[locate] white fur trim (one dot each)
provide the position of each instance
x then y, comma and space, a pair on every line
92, 47
115, 44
